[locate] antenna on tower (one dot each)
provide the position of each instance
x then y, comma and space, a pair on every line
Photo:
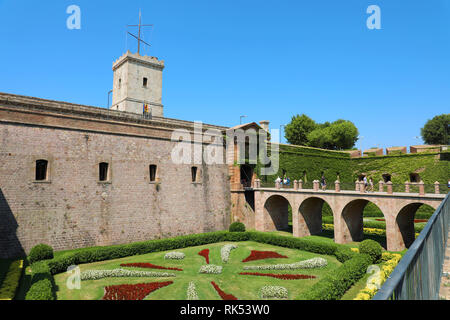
138, 37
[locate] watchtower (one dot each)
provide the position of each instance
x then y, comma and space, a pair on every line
138, 82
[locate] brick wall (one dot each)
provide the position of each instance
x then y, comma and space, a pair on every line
73, 209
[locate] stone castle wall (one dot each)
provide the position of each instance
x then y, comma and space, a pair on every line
73, 209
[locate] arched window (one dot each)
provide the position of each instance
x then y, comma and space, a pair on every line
41, 170
103, 171
386, 177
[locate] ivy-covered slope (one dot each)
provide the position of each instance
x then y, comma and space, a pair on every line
309, 164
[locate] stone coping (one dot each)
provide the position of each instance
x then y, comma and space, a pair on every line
350, 192
65, 108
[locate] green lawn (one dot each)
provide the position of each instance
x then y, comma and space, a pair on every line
243, 287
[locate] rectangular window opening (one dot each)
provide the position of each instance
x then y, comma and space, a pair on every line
194, 174
103, 171
144, 82
41, 170
153, 173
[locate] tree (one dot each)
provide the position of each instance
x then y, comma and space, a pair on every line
437, 130
296, 132
344, 134
338, 135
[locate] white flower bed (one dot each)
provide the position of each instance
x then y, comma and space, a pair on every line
306, 264
175, 255
225, 251
117, 273
192, 292
210, 269
277, 292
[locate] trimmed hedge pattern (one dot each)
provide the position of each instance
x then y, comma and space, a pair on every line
43, 284
333, 286
11, 282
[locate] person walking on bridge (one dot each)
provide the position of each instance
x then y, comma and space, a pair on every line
323, 183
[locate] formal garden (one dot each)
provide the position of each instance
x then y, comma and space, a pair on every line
225, 265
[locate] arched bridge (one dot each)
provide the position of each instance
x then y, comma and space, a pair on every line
271, 212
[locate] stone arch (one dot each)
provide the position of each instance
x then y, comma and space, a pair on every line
405, 223
276, 211
310, 217
352, 219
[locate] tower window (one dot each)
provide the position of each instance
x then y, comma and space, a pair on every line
194, 174
144, 82
41, 170
153, 173
120, 83
103, 171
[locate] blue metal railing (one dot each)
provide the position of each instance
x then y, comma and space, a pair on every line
418, 275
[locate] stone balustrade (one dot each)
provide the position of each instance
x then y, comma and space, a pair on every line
360, 187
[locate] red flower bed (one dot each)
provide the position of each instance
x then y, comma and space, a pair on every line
205, 253
259, 255
279, 276
133, 291
223, 295
148, 265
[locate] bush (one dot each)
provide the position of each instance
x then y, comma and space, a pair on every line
371, 248
40, 252
334, 285
42, 283
237, 227
41, 290
343, 254
11, 282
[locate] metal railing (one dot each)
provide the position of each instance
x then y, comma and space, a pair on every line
418, 275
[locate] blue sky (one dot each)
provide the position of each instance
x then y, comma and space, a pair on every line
268, 60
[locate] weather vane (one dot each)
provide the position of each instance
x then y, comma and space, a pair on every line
138, 37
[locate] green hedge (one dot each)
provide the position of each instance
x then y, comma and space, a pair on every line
40, 252
334, 285
42, 282
237, 227
372, 249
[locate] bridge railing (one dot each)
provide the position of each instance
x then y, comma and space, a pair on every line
388, 187
418, 275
